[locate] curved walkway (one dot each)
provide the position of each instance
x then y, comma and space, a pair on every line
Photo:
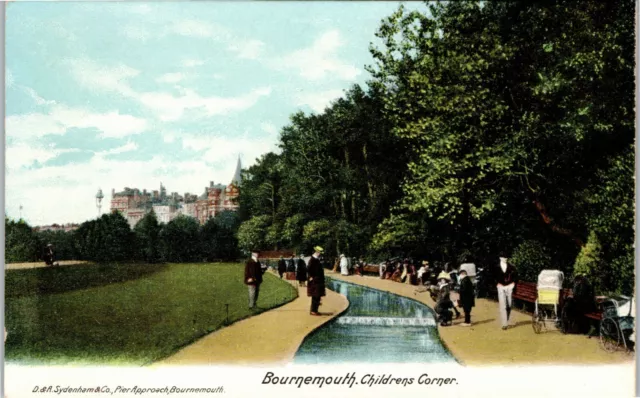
270, 337
484, 343
41, 264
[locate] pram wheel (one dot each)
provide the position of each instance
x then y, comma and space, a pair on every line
610, 335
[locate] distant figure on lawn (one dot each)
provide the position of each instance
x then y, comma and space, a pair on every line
301, 271
49, 256
467, 297
506, 278
282, 267
253, 278
315, 285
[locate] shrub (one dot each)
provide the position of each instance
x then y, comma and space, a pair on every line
531, 257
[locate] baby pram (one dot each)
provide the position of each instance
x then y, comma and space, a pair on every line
546, 306
618, 322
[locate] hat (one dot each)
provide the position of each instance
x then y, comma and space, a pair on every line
342, 255
318, 249
444, 275
425, 262
49, 244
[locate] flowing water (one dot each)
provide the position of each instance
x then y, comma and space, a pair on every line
377, 327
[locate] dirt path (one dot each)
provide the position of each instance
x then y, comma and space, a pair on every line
485, 343
41, 264
271, 337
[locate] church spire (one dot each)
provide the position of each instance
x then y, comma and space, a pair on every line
237, 177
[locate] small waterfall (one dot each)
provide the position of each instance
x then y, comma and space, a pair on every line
377, 327
385, 321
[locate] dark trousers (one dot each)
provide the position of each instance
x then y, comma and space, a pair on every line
315, 303
467, 314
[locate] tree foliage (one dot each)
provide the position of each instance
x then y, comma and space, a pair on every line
487, 127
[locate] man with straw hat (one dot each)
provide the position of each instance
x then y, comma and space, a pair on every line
444, 305
315, 281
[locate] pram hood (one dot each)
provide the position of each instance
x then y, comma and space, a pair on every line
469, 267
550, 279
627, 308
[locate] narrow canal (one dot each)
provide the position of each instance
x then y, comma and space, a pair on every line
377, 327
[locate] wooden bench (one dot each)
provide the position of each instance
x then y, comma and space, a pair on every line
371, 269
526, 291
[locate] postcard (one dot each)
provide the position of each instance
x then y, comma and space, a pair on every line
319, 199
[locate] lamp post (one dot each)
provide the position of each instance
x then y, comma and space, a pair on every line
99, 197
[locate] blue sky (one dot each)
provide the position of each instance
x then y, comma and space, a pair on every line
108, 95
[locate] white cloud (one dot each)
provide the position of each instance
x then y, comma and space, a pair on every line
128, 147
195, 28
109, 78
190, 63
244, 48
37, 98
23, 154
136, 33
251, 49
318, 101
170, 78
320, 60
226, 149
269, 128
168, 107
61, 118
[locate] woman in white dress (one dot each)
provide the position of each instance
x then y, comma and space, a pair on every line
344, 265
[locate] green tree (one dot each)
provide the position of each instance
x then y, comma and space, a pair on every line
252, 233
181, 240
147, 233
21, 242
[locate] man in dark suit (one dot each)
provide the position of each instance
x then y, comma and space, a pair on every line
253, 278
315, 281
467, 297
282, 267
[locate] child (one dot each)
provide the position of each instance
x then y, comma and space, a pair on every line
444, 304
467, 297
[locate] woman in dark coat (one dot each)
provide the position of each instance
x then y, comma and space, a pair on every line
315, 283
282, 267
301, 272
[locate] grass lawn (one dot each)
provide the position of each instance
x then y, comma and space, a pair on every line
124, 314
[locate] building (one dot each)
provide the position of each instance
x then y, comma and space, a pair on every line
57, 227
135, 204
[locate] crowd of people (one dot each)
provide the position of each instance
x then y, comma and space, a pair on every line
437, 280
309, 274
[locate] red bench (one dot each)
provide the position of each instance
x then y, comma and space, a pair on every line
371, 269
528, 292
